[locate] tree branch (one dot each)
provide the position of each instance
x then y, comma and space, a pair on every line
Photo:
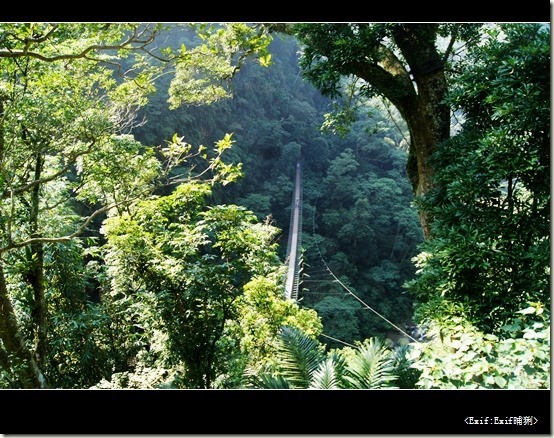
128, 44
389, 76
68, 237
9, 193
450, 45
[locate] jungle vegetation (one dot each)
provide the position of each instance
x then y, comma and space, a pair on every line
146, 180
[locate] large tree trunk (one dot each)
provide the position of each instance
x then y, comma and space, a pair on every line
398, 61
15, 355
20, 356
429, 125
35, 275
426, 113
422, 106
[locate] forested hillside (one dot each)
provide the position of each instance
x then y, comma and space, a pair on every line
358, 216
147, 178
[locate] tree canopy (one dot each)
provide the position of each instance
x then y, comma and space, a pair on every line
146, 176
406, 63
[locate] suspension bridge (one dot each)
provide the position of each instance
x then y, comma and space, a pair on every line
292, 282
294, 257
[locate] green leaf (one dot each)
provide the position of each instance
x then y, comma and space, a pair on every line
527, 311
265, 61
500, 381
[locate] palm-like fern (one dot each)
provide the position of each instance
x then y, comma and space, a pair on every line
329, 374
299, 357
302, 364
407, 376
371, 367
269, 381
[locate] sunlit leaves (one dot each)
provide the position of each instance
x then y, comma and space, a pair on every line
177, 151
120, 170
194, 262
203, 73
68, 41
183, 162
460, 356
265, 61
340, 120
225, 172
200, 79
372, 366
327, 375
263, 310
302, 362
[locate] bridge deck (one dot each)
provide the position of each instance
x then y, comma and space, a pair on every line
295, 238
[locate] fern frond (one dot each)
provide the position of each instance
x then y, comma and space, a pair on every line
298, 356
372, 366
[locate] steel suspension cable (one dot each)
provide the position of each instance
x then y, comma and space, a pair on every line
347, 289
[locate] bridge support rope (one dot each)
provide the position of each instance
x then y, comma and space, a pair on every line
293, 251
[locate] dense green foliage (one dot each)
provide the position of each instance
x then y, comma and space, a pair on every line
461, 356
371, 251
68, 103
303, 363
490, 254
177, 267
489, 259
146, 179
357, 213
64, 118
